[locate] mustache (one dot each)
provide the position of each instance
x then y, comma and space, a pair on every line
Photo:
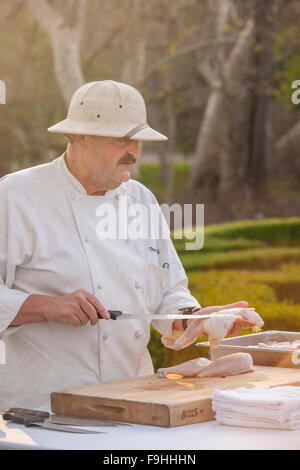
128, 158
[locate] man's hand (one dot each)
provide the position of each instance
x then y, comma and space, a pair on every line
177, 324
236, 328
76, 309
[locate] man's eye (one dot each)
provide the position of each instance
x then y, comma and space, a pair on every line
122, 141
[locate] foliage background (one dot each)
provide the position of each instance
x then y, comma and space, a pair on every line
216, 76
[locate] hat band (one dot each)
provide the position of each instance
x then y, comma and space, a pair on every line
134, 131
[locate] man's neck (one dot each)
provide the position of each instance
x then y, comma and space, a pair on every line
91, 190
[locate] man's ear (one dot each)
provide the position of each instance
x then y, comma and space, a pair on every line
80, 139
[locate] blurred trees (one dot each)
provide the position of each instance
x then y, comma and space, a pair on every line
216, 76
221, 130
64, 22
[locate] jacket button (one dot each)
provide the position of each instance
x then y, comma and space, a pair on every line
105, 337
138, 333
138, 285
99, 286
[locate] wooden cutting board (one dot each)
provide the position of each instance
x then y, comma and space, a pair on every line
161, 401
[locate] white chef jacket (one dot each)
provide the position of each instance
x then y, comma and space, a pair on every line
49, 246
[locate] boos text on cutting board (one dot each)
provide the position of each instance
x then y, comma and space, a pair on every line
190, 413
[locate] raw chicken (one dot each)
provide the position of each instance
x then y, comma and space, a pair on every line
247, 314
233, 364
220, 324
187, 369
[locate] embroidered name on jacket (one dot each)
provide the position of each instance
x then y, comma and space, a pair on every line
150, 248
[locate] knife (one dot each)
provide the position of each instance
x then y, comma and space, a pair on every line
119, 315
40, 418
70, 420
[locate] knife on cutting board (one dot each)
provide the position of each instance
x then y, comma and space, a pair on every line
42, 419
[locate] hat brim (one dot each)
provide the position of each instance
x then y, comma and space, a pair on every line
68, 126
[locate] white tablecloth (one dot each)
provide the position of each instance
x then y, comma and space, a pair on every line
209, 436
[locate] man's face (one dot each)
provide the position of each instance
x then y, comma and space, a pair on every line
108, 161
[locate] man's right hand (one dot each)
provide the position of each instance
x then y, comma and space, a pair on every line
76, 309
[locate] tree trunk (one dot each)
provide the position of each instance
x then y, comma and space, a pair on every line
215, 168
65, 36
66, 52
171, 148
255, 170
208, 145
286, 149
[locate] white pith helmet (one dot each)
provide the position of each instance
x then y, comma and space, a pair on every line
108, 108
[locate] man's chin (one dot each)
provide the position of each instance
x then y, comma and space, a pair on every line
122, 179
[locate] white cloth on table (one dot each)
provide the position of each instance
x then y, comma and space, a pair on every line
276, 407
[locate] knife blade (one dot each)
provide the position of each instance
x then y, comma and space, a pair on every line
119, 315
71, 420
60, 427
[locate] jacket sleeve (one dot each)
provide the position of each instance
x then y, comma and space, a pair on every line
12, 235
176, 295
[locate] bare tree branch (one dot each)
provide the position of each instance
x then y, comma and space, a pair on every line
209, 74
45, 14
239, 53
106, 43
81, 11
289, 139
185, 50
15, 8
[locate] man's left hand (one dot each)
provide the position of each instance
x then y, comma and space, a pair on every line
237, 326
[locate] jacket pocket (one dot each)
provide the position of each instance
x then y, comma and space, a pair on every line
159, 282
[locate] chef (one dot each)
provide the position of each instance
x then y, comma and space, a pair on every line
59, 273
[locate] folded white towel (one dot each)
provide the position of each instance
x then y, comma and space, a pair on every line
276, 415
246, 421
269, 407
285, 397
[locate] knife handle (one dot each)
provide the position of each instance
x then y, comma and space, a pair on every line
114, 314
25, 416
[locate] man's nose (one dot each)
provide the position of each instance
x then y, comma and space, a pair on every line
135, 148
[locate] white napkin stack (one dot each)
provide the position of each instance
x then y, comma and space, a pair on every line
259, 407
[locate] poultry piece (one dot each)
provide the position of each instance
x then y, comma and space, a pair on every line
220, 324
232, 364
186, 369
247, 315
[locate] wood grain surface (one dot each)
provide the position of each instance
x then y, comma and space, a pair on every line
174, 401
